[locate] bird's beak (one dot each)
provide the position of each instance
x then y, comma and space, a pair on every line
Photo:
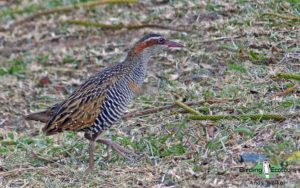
172, 44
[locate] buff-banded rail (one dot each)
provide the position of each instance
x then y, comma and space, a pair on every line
102, 99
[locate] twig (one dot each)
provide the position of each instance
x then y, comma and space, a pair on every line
186, 107
289, 17
226, 38
167, 107
122, 26
254, 117
17, 171
8, 142
288, 76
199, 116
285, 92
222, 38
39, 156
130, 27
65, 9
68, 41
7, 3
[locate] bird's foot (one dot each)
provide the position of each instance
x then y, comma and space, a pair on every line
126, 153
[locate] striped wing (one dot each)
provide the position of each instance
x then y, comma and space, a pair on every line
82, 108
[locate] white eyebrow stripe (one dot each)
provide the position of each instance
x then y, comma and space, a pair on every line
151, 38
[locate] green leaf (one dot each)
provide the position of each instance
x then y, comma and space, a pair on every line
244, 130
237, 67
253, 55
165, 138
14, 67
295, 156
177, 149
10, 135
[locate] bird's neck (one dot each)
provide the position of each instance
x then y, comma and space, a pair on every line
138, 60
138, 66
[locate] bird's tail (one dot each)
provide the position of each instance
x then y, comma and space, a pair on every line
42, 116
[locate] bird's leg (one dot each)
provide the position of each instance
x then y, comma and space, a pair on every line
91, 138
91, 155
119, 149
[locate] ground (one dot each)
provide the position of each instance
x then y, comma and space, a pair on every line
233, 52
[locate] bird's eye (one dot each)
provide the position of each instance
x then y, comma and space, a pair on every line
161, 41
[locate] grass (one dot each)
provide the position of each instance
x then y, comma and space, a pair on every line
237, 52
14, 67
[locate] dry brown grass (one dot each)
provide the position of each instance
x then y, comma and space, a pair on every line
232, 54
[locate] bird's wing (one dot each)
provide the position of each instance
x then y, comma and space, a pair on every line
83, 106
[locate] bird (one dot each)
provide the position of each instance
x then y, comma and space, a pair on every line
101, 100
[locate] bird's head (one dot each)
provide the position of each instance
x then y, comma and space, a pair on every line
152, 44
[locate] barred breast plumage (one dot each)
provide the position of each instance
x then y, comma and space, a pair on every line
116, 102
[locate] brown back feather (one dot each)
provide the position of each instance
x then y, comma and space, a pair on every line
81, 109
